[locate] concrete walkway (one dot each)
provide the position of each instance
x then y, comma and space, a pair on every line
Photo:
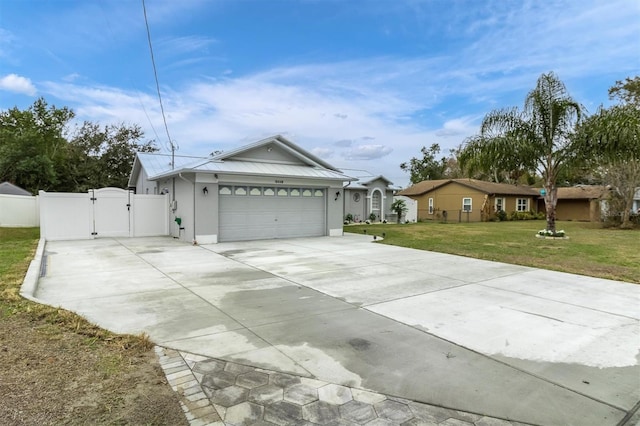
500, 341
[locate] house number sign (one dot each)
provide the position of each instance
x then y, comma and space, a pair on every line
279, 181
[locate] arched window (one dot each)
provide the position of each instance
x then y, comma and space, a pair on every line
376, 204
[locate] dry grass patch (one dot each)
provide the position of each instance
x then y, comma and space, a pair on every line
60, 369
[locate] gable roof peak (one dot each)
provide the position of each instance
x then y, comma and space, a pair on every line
285, 144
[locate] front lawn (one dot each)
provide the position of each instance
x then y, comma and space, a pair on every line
590, 249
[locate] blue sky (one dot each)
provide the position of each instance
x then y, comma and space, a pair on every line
362, 84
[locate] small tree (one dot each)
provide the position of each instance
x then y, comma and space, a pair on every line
399, 207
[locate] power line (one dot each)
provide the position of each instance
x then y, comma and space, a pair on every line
113, 36
155, 74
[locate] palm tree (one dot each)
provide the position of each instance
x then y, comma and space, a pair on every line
399, 207
537, 137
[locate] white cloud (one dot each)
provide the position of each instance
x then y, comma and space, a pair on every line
368, 152
343, 143
17, 84
186, 44
324, 153
462, 126
377, 112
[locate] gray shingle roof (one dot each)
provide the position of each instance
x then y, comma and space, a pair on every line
11, 189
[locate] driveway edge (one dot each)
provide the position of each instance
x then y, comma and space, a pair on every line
30, 282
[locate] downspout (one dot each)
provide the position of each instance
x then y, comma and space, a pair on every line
193, 184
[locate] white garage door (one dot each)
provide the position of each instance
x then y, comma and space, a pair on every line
258, 213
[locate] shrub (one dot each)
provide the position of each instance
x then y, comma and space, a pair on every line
530, 215
348, 217
548, 233
501, 215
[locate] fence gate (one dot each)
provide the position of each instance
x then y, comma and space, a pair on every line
111, 212
106, 212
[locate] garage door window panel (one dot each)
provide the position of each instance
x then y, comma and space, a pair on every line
269, 192
282, 192
225, 190
255, 191
240, 190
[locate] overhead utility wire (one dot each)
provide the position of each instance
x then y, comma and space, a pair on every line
113, 36
155, 73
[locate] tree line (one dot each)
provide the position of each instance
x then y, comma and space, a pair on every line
41, 148
551, 142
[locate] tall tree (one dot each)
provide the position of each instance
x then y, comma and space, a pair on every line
538, 137
104, 155
38, 151
627, 91
610, 139
428, 167
33, 145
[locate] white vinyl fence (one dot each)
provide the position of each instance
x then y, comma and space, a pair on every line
106, 212
19, 211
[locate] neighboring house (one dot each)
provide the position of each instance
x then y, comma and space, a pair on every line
636, 202
268, 189
7, 188
580, 203
368, 195
469, 199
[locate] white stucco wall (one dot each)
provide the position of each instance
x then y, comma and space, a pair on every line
412, 206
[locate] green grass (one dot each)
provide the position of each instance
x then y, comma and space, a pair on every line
16, 244
17, 248
590, 250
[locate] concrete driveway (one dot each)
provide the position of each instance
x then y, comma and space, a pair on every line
506, 341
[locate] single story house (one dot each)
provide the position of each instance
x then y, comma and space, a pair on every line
469, 200
368, 196
579, 203
268, 189
7, 188
636, 202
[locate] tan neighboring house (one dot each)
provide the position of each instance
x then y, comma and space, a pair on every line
579, 203
469, 199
